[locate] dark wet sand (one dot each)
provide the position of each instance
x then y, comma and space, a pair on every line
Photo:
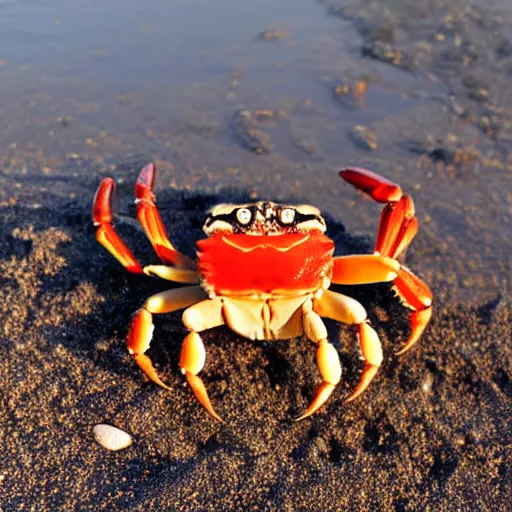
431, 433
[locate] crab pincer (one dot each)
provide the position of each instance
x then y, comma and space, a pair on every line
149, 217
397, 227
105, 233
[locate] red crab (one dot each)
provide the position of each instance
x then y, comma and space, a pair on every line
265, 271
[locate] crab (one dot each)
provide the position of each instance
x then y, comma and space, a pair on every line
265, 270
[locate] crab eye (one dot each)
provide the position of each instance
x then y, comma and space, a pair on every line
287, 215
244, 216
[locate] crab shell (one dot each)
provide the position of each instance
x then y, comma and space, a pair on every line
267, 278
260, 267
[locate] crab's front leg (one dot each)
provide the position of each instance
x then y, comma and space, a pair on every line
105, 233
182, 269
141, 329
397, 227
149, 217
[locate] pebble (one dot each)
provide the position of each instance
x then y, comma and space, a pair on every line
352, 92
387, 52
427, 383
244, 125
363, 138
271, 35
111, 438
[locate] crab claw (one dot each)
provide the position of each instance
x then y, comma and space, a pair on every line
417, 295
105, 233
397, 227
379, 188
149, 217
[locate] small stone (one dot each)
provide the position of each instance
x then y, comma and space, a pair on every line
504, 50
416, 146
245, 127
111, 438
352, 92
387, 52
64, 120
471, 82
271, 35
480, 94
363, 138
427, 383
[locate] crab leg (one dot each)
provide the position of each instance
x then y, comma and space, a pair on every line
199, 317
348, 311
372, 353
149, 217
141, 329
364, 269
417, 295
398, 224
327, 359
105, 233
379, 188
177, 275
397, 227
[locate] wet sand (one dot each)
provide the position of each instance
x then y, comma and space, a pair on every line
433, 430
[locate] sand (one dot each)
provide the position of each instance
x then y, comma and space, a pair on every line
432, 432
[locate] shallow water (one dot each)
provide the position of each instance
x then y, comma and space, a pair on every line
130, 43
89, 89
83, 62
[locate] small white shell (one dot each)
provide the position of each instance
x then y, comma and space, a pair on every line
111, 438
